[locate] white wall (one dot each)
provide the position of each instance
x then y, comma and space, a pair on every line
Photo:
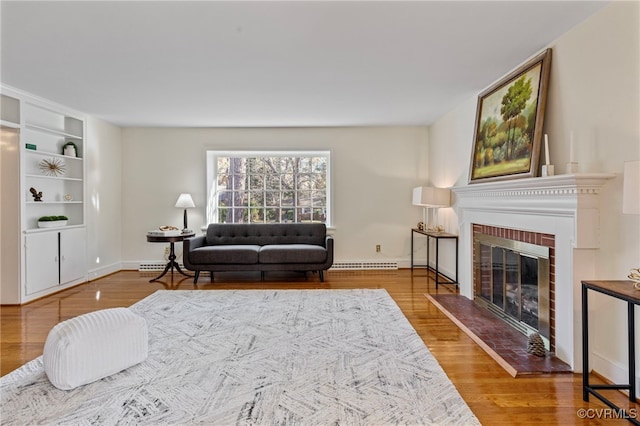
594, 92
373, 172
104, 201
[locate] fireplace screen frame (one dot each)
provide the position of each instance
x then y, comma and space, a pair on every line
542, 254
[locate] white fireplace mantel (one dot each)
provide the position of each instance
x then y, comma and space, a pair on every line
565, 206
563, 195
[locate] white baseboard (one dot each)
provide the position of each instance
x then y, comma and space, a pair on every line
102, 271
610, 370
134, 265
338, 264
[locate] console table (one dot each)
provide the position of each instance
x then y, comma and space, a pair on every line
172, 254
622, 290
436, 236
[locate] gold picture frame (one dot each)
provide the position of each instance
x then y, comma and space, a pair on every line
509, 120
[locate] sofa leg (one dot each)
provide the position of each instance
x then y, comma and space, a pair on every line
211, 277
195, 277
261, 275
321, 273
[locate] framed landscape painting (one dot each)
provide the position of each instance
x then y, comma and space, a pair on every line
509, 121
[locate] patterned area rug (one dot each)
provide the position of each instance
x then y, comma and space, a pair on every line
247, 357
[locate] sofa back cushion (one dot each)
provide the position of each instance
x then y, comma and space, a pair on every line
266, 233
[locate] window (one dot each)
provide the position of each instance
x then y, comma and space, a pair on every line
268, 187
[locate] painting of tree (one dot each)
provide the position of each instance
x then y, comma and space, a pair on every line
509, 123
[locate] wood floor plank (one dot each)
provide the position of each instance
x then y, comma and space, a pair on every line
494, 396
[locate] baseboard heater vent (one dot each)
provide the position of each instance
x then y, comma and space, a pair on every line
343, 266
337, 266
155, 266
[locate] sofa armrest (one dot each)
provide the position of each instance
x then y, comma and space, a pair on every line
328, 243
188, 245
194, 243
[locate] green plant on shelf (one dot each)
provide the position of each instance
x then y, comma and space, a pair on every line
52, 218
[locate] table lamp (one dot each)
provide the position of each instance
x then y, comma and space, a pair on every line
185, 202
431, 197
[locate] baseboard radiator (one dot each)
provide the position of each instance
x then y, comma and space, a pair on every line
337, 266
363, 264
155, 266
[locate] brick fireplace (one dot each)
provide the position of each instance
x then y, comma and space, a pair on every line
559, 210
527, 313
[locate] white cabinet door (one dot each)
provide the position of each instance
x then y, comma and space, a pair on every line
73, 264
42, 257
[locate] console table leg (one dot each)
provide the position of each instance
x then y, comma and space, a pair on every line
632, 351
437, 255
585, 345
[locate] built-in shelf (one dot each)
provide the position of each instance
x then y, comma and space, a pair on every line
51, 154
11, 124
54, 202
54, 177
52, 131
59, 228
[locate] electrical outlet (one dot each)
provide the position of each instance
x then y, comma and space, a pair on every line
377, 248
167, 250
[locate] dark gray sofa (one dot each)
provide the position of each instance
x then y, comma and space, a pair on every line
260, 247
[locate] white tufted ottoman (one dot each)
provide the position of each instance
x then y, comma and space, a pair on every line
89, 347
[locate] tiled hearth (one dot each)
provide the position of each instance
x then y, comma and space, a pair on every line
506, 346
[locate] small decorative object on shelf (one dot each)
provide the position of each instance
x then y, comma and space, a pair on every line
70, 149
535, 345
52, 221
37, 195
31, 146
547, 167
52, 167
635, 277
421, 226
68, 197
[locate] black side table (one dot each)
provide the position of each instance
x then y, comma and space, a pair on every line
172, 254
437, 236
622, 290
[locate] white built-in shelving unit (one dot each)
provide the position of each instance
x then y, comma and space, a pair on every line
49, 258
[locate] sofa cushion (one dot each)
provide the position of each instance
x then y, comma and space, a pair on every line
231, 254
292, 253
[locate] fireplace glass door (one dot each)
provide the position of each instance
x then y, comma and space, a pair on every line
512, 280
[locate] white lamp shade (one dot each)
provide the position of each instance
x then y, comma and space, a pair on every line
631, 188
431, 197
185, 201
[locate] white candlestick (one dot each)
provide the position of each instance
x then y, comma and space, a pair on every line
546, 149
571, 153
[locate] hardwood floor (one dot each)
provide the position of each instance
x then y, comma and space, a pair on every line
493, 395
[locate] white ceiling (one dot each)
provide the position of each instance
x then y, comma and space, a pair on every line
264, 64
